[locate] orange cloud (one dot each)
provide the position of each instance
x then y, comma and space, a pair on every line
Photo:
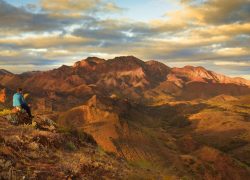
236, 51
212, 12
68, 5
43, 41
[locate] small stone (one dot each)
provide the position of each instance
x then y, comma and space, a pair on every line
33, 146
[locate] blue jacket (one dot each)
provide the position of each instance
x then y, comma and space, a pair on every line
18, 100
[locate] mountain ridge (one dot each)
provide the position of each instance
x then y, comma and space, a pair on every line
5, 72
133, 61
128, 77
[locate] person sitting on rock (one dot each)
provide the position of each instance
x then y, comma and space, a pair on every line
20, 103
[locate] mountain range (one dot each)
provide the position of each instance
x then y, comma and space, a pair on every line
126, 77
185, 122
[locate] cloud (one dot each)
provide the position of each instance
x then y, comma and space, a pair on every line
55, 15
78, 7
15, 19
216, 11
112, 32
9, 53
237, 51
229, 30
232, 63
68, 5
112, 7
43, 41
26, 60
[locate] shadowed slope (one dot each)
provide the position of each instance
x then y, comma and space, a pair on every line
158, 137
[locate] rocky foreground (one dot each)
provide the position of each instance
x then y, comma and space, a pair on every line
42, 151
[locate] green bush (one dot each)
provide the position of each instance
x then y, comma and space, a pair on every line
70, 146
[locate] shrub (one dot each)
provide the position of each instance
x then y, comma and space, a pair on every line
5, 112
70, 146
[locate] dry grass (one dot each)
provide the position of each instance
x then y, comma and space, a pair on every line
5, 112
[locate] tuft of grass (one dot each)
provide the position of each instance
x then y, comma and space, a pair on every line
141, 164
70, 146
5, 112
101, 151
63, 130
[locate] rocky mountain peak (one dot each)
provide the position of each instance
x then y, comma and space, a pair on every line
90, 61
128, 61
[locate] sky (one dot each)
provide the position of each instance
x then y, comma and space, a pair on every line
44, 34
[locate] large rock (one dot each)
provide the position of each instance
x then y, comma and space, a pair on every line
44, 123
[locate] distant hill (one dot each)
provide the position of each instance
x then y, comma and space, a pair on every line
128, 77
4, 72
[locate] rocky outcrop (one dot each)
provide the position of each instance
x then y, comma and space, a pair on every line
89, 63
95, 118
28, 152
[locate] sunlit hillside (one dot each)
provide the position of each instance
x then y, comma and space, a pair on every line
123, 89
